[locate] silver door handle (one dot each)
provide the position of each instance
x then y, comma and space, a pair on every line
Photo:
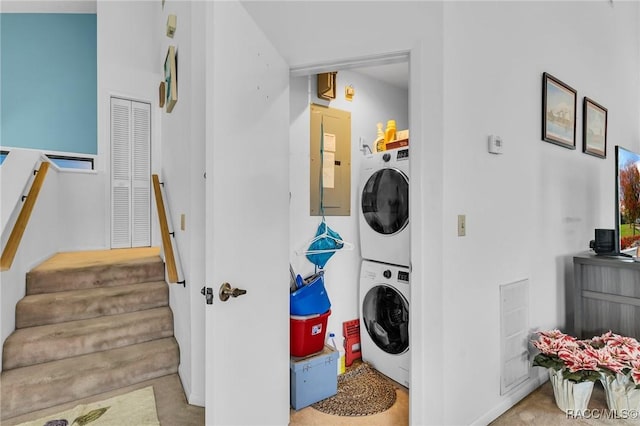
226, 291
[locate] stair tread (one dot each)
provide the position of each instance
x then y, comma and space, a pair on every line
82, 270
90, 322
33, 345
40, 309
39, 386
91, 258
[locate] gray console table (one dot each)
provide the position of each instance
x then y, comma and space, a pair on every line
606, 295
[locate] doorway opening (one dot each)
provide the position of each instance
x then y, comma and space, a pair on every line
379, 91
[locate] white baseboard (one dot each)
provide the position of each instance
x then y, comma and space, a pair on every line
196, 399
510, 400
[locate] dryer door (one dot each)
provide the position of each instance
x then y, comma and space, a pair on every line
385, 313
385, 201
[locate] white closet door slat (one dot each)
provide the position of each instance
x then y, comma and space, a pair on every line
141, 179
120, 173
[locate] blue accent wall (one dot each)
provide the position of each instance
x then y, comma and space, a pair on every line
48, 82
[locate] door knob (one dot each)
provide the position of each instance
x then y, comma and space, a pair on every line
226, 291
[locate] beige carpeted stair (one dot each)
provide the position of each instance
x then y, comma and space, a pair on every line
91, 322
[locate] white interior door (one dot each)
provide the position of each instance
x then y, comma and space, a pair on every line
247, 243
130, 173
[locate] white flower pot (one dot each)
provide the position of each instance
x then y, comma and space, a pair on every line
622, 397
570, 396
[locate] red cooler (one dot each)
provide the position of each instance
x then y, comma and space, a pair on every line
307, 333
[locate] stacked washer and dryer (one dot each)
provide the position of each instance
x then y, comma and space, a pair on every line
386, 259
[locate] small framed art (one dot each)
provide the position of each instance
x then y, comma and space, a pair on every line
558, 112
171, 78
594, 129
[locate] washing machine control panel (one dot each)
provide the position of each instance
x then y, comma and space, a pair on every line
403, 276
402, 154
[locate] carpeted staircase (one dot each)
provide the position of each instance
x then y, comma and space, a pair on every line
85, 328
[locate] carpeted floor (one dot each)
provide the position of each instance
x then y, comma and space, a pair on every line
135, 408
171, 404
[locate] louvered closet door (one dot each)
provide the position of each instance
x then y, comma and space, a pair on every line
130, 173
141, 175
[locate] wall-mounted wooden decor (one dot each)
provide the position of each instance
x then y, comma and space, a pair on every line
172, 22
161, 94
171, 78
327, 85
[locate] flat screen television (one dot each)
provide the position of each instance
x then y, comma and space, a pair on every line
628, 200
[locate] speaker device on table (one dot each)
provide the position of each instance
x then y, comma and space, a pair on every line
604, 242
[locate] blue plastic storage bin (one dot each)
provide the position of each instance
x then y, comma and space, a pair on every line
313, 378
310, 299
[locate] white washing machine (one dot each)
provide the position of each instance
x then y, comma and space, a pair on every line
384, 207
384, 319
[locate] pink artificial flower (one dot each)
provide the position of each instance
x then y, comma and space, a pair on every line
604, 359
635, 371
621, 353
554, 334
598, 341
551, 342
623, 341
576, 360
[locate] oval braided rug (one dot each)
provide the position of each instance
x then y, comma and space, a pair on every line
361, 392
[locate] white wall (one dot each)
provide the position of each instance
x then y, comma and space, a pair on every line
476, 70
128, 67
81, 210
532, 208
373, 102
183, 168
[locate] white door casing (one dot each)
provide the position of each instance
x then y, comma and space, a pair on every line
247, 214
130, 173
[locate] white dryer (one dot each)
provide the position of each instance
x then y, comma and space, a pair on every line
384, 207
384, 319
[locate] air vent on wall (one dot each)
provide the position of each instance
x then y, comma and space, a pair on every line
514, 326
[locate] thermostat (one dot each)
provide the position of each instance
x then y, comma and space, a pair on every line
495, 144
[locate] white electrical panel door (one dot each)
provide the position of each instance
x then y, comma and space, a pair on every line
130, 173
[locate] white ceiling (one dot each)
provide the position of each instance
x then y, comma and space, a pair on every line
291, 36
394, 74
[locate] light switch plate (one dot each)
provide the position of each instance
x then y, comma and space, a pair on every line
462, 225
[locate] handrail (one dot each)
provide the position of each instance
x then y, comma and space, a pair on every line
169, 257
9, 252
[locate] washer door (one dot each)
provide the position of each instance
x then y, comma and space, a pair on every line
385, 313
385, 201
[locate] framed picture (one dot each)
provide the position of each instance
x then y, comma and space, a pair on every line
558, 112
171, 79
594, 129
